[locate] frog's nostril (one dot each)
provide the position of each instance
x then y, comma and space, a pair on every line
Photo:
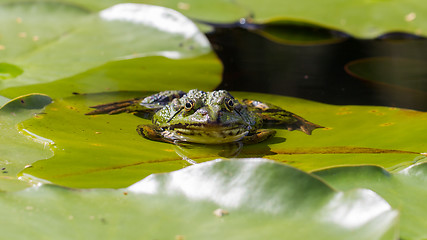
203, 111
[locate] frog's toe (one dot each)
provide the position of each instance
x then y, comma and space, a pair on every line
151, 133
114, 107
259, 136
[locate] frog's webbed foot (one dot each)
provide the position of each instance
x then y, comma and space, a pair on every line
275, 116
115, 107
152, 133
259, 136
301, 124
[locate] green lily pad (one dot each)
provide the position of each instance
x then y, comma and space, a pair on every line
352, 135
19, 151
52, 40
3, 100
217, 200
154, 73
100, 150
405, 190
106, 151
367, 19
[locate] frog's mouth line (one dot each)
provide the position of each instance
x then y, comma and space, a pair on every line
207, 134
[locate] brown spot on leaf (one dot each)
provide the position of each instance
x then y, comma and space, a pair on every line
344, 113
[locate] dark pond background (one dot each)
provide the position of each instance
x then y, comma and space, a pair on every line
323, 65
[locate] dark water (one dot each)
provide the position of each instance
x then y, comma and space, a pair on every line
382, 74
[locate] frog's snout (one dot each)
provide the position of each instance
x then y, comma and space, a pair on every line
214, 114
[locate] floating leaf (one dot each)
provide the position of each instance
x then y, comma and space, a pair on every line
52, 40
365, 19
241, 199
405, 190
100, 150
106, 151
145, 74
17, 150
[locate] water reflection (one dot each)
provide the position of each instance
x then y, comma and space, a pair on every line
195, 153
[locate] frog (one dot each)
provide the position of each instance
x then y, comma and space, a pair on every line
211, 117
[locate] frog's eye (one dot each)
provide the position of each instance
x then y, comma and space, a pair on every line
229, 104
188, 105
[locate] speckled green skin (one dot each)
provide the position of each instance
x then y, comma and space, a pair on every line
206, 117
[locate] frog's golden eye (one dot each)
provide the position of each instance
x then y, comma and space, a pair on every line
188, 105
229, 104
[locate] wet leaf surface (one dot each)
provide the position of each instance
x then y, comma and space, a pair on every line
106, 151
19, 151
54, 40
361, 19
405, 190
246, 192
139, 74
81, 55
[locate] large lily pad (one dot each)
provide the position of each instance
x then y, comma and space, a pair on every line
405, 190
366, 19
45, 41
252, 199
106, 151
19, 151
144, 74
352, 135
101, 150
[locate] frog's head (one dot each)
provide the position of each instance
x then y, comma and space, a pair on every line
206, 117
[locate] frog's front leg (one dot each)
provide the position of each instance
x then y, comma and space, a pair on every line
152, 133
140, 106
259, 136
